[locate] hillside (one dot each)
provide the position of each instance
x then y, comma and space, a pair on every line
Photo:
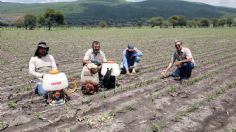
117, 10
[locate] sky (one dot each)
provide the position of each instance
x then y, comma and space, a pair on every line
227, 3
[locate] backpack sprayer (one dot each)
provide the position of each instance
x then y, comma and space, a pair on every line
110, 70
54, 83
90, 76
89, 79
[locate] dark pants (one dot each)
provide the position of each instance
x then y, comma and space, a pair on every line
185, 71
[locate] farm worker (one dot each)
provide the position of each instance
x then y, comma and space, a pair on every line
39, 65
130, 58
96, 56
183, 60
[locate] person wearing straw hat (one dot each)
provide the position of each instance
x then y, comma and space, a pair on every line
131, 57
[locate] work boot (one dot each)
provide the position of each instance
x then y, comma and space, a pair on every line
133, 70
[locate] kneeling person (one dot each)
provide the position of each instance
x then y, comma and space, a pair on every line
39, 65
50, 82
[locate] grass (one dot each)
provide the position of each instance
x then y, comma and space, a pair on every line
12, 104
130, 106
103, 118
38, 115
223, 88
231, 130
3, 125
196, 105
68, 130
154, 128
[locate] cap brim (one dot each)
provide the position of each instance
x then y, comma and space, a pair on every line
43, 46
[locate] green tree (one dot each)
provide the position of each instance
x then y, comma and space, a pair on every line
53, 17
19, 22
222, 22
173, 20
204, 22
30, 21
41, 20
182, 21
177, 21
165, 24
191, 24
3, 24
229, 21
103, 24
215, 22
155, 21
139, 23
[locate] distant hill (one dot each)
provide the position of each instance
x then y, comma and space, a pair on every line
85, 11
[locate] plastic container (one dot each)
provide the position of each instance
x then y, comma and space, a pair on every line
111, 65
86, 76
55, 81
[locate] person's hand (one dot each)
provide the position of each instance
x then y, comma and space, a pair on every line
87, 61
163, 72
100, 67
127, 73
178, 63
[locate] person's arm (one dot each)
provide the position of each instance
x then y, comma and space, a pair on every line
138, 52
54, 65
188, 57
86, 59
186, 60
103, 57
32, 69
125, 63
170, 65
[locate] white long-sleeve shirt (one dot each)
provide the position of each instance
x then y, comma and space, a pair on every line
40, 66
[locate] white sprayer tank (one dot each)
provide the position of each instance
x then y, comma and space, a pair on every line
110, 65
55, 80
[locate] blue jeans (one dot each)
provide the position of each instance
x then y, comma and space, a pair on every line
130, 63
185, 71
41, 91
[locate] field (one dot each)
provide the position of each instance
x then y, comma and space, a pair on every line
143, 102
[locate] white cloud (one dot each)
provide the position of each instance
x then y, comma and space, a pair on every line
46, 1
135, 0
35, 1
227, 3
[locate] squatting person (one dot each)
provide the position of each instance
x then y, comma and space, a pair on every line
183, 60
131, 57
95, 56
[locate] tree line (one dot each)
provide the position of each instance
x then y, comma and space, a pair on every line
181, 21
52, 17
